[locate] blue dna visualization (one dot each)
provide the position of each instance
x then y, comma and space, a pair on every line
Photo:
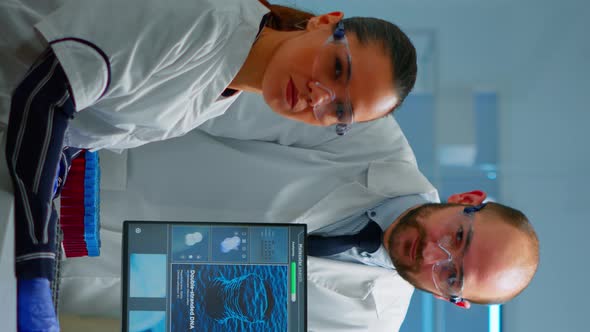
220, 298
246, 298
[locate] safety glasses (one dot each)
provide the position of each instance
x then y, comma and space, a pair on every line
331, 75
447, 274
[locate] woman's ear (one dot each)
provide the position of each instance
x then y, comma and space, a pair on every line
326, 19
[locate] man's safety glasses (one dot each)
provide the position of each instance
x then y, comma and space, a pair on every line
447, 274
331, 73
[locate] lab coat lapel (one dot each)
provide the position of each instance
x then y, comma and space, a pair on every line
358, 281
343, 277
392, 295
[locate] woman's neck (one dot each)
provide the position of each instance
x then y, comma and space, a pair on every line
249, 77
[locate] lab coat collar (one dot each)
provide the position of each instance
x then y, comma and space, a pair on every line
342, 202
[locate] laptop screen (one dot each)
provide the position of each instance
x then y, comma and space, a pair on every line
198, 276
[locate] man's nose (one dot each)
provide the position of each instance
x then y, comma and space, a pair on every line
319, 94
433, 253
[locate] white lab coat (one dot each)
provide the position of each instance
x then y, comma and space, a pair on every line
139, 70
352, 297
312, 177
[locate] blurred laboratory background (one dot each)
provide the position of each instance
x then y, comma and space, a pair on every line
501, 104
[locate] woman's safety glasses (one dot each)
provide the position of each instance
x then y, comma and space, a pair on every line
331, 74
447, 274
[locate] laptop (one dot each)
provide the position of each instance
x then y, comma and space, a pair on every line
208, 276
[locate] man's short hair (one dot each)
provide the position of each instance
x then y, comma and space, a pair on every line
518, 220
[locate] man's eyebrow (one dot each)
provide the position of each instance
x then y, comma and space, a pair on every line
468, 241
348, 76
349, 70
467, 245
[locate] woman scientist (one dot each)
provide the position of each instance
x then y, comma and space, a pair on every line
119, 74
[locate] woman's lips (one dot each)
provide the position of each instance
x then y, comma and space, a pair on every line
292, 93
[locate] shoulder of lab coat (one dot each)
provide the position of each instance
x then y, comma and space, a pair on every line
137, 93
391, 169
381, 142
344, 296
117, 56
250, 118
384, 180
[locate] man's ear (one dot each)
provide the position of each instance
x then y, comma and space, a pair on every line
463, 304
326, 19
474, 197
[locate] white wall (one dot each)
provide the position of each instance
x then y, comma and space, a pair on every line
536, 56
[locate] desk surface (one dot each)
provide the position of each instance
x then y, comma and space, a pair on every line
7, 279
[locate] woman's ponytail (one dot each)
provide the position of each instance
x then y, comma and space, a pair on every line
284, 18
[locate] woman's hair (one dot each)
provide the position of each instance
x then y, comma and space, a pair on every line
284, 18
389, 36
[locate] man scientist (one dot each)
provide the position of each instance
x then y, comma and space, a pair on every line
251, 166
452, 250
